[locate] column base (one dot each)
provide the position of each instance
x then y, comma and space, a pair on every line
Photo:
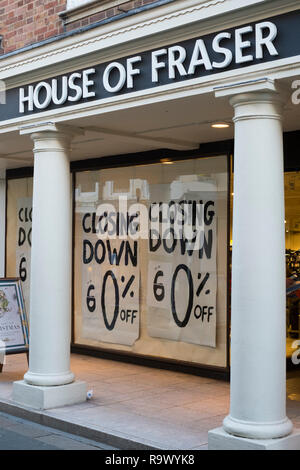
253, 430
48, 380
44, 398
218, 439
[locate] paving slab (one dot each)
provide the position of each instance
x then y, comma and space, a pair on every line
18, 434
10, 440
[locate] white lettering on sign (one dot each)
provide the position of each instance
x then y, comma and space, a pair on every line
121, 77
266, 41
222, 50
241, 44
64, 94
157, 64
86, 83
77, 86
176, 62
131, 71
247, 43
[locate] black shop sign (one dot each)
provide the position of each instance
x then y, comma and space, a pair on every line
266, 40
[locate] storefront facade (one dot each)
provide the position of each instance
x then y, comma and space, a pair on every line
127, 237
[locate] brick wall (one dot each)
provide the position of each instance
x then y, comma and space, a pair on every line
25, 22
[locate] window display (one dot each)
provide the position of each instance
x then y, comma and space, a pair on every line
110, 269
292, 236
19, 222
151, 259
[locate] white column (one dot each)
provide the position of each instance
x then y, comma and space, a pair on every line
50, 296
2, 221
258, 316
50, 289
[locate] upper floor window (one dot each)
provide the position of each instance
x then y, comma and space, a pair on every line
89, 11
77, 3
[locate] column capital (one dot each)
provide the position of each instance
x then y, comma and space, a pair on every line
48, 136
51, 127
258, 87
256, 99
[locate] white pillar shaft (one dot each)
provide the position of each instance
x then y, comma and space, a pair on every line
50, 301
2, 221
258, 341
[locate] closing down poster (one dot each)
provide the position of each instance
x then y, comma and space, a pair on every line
110, 277
182, 271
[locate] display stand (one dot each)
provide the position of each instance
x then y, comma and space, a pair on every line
19, 352
14, 338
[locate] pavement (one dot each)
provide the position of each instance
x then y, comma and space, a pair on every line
136, 407
20, 434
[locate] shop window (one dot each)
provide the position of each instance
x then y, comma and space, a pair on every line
292, 255
142, 285
18, 232
292, 237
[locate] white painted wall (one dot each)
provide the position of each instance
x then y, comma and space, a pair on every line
2, 221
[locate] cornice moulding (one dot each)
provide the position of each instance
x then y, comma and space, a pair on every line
148, 27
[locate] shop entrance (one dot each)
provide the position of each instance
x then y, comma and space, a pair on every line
292, 244
292, 254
